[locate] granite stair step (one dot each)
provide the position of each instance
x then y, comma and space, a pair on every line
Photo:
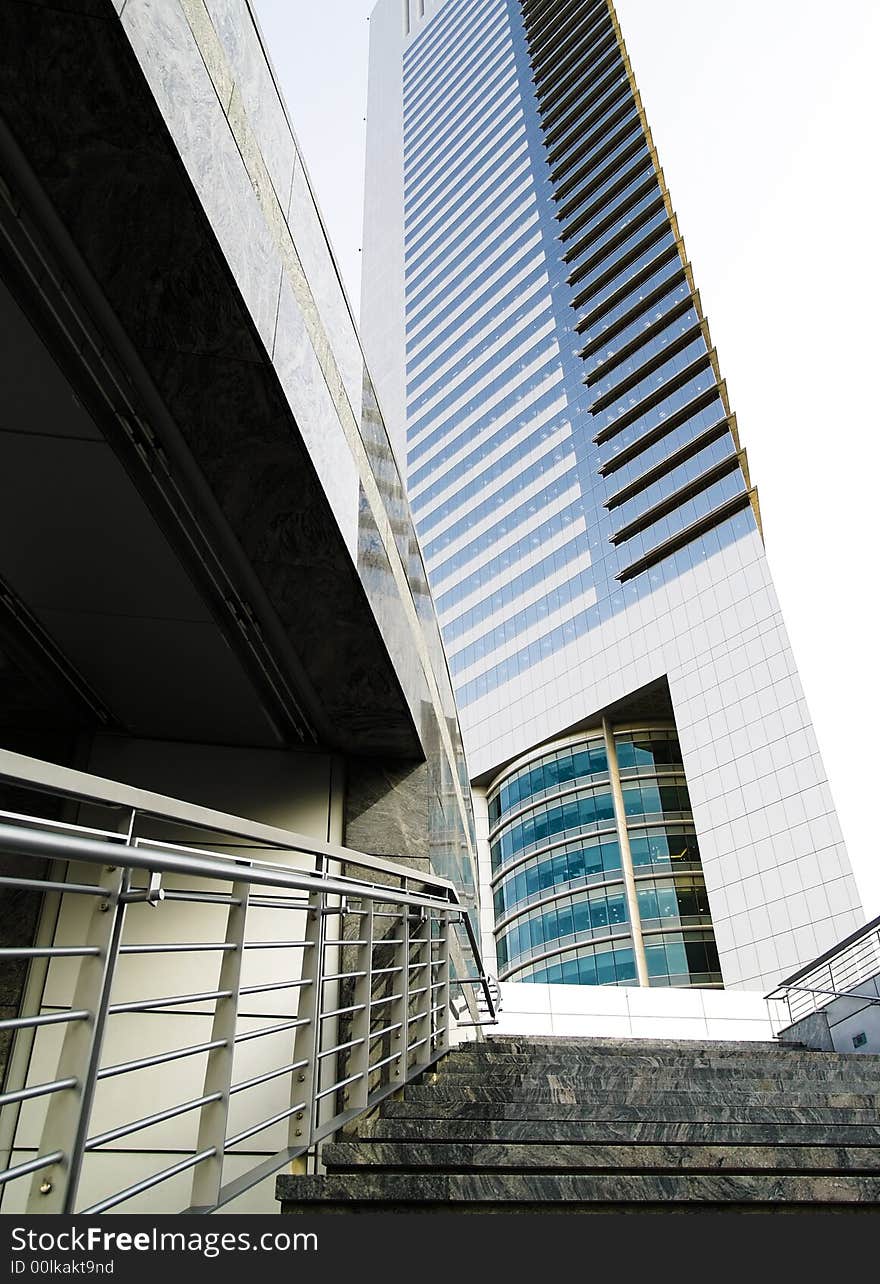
577, 1092
815, 1063
684, 1110
612, 1132
563, 1046
567, 1192
588, 1078
432, 1156
595, 1126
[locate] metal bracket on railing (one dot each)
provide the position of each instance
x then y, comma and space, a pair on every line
153, 894
341, 908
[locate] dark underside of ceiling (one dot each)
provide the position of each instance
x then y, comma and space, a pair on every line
170, 565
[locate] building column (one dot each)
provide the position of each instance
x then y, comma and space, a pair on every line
629, 877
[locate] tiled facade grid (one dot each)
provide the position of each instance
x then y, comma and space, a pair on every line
775, 864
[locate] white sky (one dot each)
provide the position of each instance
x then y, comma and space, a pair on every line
764, 114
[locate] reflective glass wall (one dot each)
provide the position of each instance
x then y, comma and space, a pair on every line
561, 845
569, 443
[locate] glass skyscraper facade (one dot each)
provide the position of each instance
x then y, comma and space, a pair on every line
579, 490
563, 398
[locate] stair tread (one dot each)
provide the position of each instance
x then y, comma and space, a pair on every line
593, 1125
578, 1093
609, 1131
495, 1188
454, 1157
681, 1111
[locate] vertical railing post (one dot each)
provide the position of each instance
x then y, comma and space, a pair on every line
400, 1007
421, 969
208, 1176
304, 1086
444, 995
359, 1060
54, 1190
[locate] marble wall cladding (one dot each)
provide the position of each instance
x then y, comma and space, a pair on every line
327, 309
241, 44
163, 42
387, 807
326, 287
303, 382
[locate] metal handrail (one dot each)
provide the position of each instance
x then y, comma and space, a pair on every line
79, 786
836, 974
842, 947
346, 999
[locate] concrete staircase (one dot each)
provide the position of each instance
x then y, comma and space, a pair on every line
602, 1125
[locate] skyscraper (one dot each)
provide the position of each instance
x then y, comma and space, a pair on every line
652, 802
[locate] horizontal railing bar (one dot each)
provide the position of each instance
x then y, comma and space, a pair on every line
384, 971
280, 902
422, 989
31, 1166
319, 1096
48, 1018
836, 994
278, 945
390, 998
41, 885
389, 1029
208, 898
37, 1090
354, 1007
50, 952
274, 985
342, 976
340, 1047
174, 1001
182, 948
113, 1134
395, 1056
148, 1183
271, 1029
418, 1043
264, 1078
66, 826
69, 783
267, 1123
420, 1016
159, 1059
50, 846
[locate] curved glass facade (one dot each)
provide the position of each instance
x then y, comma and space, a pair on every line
561, 846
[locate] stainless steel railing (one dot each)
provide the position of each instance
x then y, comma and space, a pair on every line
842, 971
193, 1020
